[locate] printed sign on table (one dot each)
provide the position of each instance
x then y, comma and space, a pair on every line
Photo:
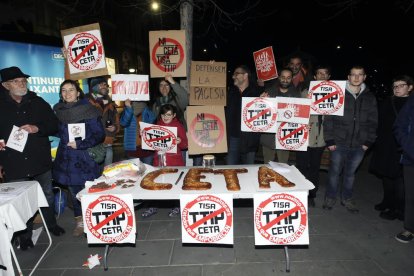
159, 138
327, 97
294, 110
265, 64
281, 219
84, 51
167, 53
206, 129
292, 136
133, 87
259, 114
208, 83
109, 218
207, 218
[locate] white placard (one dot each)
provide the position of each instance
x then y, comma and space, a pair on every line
109, 218
76, 130
293, 110
292, 136
17, 139
328, 97
132, 87
281, 219
158, 138
258, 114
207, 218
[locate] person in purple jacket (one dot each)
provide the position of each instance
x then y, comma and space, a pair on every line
73, 166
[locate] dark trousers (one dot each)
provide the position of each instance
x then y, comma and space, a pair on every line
394, 193
45, 181
409, 198
308, 163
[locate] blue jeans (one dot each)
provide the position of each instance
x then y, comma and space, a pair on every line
343, 159
235, 156
74, 190
109, 157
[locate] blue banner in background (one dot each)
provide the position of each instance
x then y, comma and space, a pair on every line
45, 65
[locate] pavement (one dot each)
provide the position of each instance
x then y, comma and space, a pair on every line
341, 243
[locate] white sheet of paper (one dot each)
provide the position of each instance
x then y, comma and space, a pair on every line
76, 130
93, 261
17, 139
279, 167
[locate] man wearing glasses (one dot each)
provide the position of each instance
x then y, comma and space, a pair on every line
348, 137
24, 109
242, 145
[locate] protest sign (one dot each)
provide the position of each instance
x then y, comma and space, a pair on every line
292, 136
167, 53
294, 110
159, 138
327, 97
132, 87
84, 51
259, 114
265, 63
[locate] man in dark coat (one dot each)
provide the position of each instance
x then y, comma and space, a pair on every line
24, 109
348, 137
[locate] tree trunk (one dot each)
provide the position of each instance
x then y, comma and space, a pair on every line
186, 16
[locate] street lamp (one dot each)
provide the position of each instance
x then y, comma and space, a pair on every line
155, 6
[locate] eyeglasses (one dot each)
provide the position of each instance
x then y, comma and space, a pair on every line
238, 73
399, 85
167, 115
16, 81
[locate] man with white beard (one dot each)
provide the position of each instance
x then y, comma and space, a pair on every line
24, 109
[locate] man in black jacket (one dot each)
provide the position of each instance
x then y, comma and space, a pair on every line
348, 137
24, 109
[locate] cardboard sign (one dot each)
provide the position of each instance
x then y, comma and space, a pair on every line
292, 136
207, 218
206, 129
294, 110
167, 53
327, 97
84, 50
159, 138
264, 61
133, 87
109, 218
281, 219
208, 83
259, 114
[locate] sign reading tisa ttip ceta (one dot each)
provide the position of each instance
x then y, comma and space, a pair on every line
328, 97
281, 218
292, 136
207, 218
158, 138
84, 50
259, 114
109, 218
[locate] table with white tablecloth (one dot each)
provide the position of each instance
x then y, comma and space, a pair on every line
19, 201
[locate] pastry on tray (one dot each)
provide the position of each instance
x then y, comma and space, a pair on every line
148, 182
267, 175
192, 180
232, 180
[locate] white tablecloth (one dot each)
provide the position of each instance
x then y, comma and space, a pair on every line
19, 201
249, 184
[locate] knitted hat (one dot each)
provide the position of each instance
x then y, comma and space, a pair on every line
94, 83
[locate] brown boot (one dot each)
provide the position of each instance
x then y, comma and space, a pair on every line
78, 231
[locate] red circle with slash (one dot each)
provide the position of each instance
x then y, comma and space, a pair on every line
207, 138
168, 134
160, 63
97, 229
193, 227
264, 107
76, 60
282, 140
336, 91
267, 228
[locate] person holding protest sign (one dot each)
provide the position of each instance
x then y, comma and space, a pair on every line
404, 134
73, 165
242, 146
385, 161
168, 117
31, 161
283, 87
348, 137
308, 162
99, 97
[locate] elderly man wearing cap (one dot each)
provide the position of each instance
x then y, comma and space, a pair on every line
99, 97
24, 109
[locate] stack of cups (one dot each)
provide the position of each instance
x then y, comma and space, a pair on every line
209, 161
162, 159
